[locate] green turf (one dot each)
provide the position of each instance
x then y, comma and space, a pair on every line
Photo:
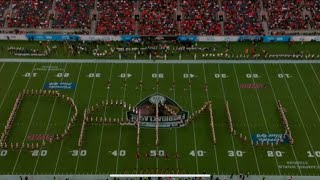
253, 111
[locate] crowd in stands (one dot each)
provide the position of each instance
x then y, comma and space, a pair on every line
73, 14
158, 17
200, 17
242, 17
285, 14
314, 7
30, 14
116, 17
4, 4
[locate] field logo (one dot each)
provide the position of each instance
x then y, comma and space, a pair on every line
59, 86
271, 138
147, 109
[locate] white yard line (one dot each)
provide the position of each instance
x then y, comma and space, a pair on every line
194, 133
2, 66
32, 116
245, 113
141, 79
120, 133
61, 145
157, 159
175, 129
104, 114
275, 99
264, 118
12, 79
50, 117
296, 107
92, 87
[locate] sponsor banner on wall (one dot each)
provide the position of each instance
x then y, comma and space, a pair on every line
187, 38
250, 38
218, 38
99, 38
128, 38
276, 38
12, 37
306, 38
55, 37
59, 86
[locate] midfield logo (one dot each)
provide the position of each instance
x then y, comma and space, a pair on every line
147, 108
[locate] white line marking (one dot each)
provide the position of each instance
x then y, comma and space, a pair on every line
141, 79
175, 129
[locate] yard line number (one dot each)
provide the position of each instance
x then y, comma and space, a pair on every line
78, 153
30, 74
281, 76
255, 76
94, 75
315, 154
60, 75
275, 153
120, 153
155, 75
3, 153
198, 153
39, 152
222, 76
236, 153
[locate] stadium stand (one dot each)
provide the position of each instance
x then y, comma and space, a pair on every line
314, 7
116, 17
285, 14
158, 17
200, 17
242, 17
73, 14
30, 14
4, 4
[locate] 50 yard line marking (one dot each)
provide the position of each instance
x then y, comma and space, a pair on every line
120, 133
50, 117
175, 129
73, 96
141, 79
275, 98
246, 117
104, 114
264, 118
92, 85
297, 110
194, 133
32, 116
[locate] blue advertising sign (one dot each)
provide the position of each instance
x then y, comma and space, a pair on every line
271, 138
276, 38
135, 39
54, 37
187, 38
59, 86
250, 38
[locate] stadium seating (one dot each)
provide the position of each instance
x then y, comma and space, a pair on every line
116, 17
158, 17
4, 4
285, 14
73, 14
242, 17
199, 17
30, 14
314, 7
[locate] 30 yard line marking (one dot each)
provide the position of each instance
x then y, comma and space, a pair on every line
120, 133
104, 114
50, 117
194, 133
297, 110
246, 117
175, 129
141, 79
92, 85
275, 98
264, 118
32, 116
73, 96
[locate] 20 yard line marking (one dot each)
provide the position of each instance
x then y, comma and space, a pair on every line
297, 110
264, 118
32, 116
275, 98
246, 117
141, 79
50, 118
92, 85
104, 114
61, 145
120, 133
194, 133
175, 129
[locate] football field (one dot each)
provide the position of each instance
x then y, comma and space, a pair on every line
251, 90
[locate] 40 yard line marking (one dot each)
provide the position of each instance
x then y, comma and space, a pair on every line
104, 114
50, 118
297, 110
61, 145
92, 85
175, 129
264, 118
32, 116
275, 98
246, 117
194, 133
120, 133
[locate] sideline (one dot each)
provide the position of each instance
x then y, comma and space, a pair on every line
140, 61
